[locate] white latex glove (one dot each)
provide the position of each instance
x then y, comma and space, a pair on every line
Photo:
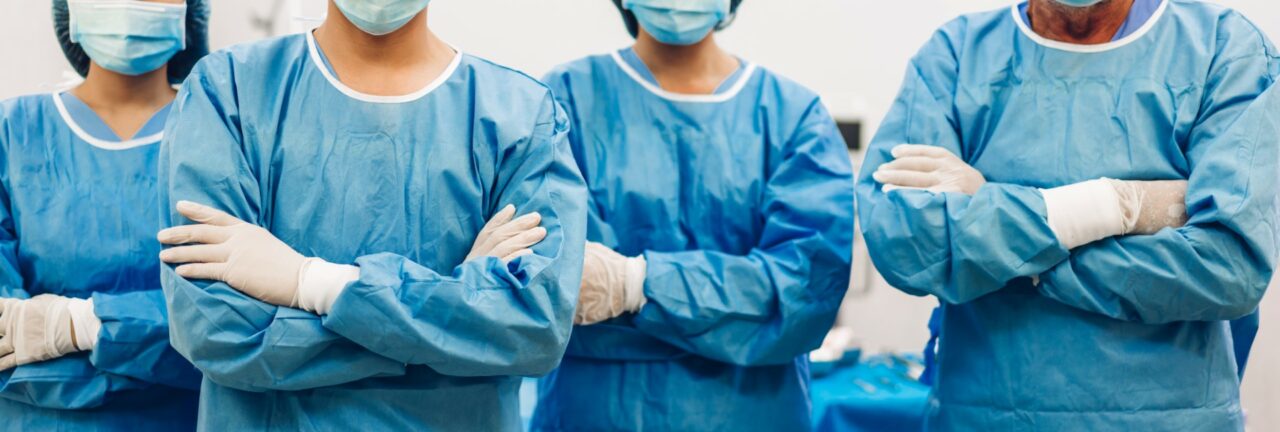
834, 345
1093, 210
1161, 204
508, 239
245, 256
45, 327
612, 284
929, 168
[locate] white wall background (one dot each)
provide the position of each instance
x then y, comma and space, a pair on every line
852, 52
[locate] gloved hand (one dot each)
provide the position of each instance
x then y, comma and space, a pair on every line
1085, 212
508, 239
929, 168
245, 256
612, 284
1158, 204
45, 327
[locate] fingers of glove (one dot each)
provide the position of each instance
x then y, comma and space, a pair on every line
913, 163
502, 217
509, 230
906, 179
522, 240
8, 361
206, 271
205, 214
187, 234
522, 223
908, 150
517, 254
496, 221
200, 253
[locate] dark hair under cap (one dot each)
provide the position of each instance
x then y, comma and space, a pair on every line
179, 66
633, 26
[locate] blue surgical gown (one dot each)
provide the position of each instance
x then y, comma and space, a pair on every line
742, 204
78, 211
1127, 333
399, 186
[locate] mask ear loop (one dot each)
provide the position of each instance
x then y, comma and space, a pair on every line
725, 23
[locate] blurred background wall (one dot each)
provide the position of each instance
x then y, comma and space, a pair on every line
852, 52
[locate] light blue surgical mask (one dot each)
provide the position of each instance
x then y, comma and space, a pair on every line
678, 22
1079, 3
380, 17
130, 37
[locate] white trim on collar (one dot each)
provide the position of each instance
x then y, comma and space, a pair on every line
1090, 49
365, 97
101, 143
711, 98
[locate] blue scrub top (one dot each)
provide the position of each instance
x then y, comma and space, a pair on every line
399, 186
78, 219
1125, 333
1243, 331
741, 203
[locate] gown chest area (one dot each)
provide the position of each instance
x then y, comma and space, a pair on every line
84, 217
1026, 126
674, 185
374, 180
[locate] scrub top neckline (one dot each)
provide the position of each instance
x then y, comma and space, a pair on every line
1139, 13
637, 64
745, 72
108, 144
1155, 19
322, 64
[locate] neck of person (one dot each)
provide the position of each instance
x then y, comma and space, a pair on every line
399, 62
1090, 25
689, 69
105, 90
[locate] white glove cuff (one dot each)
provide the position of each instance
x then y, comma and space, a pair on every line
634, 287
86, 323
321, 282
1085, 212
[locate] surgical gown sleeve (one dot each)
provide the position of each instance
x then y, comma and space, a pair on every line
485, 318
1217, 266
954, 246
235, 340
776, 301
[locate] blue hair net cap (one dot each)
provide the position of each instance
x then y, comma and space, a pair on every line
181, 64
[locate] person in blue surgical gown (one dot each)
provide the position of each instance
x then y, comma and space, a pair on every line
84, 335
1091, 210
721, 225
342, 207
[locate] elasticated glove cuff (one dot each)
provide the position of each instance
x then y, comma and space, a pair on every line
321, 282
